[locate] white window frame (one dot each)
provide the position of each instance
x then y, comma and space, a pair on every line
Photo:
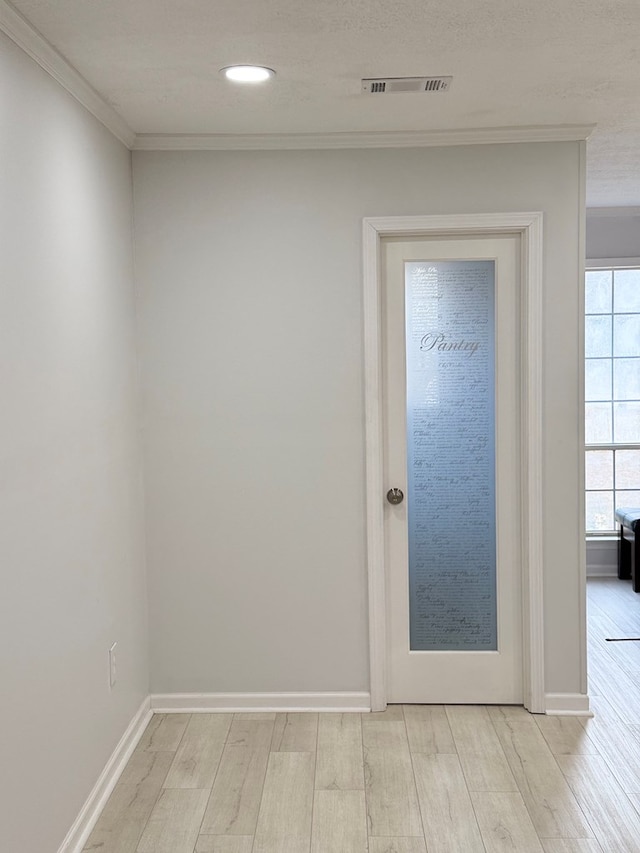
593, 265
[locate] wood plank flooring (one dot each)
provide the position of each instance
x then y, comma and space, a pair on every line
415, 779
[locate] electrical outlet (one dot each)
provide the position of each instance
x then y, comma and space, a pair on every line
112, 666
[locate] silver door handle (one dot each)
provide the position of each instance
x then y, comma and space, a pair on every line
395, 496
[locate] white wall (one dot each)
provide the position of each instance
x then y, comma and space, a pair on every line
613, 232
71, 551
250, 282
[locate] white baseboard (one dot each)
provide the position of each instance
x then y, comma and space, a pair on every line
84, 823
167, 703
602, 570
567, 704
602, 557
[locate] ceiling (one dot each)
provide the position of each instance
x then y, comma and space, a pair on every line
514, 64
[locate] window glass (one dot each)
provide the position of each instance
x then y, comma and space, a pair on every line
599, 510
598, 428
626, 379
599, 469
597, 379
597, 336
626, 334
627, 469
627, 292
626, 422
598, 292
629, 499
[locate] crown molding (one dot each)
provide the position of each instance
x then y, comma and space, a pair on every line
24, 34
19, 30
369, 139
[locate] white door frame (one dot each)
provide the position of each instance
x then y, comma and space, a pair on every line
529, 227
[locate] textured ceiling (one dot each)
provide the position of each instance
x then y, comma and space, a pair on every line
513, 63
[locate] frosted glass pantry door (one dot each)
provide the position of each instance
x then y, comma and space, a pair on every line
451, 373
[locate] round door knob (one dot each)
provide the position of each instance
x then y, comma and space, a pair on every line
395, 496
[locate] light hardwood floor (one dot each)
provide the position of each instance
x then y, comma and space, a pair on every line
415, 779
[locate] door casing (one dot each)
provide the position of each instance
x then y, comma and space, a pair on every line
529, 226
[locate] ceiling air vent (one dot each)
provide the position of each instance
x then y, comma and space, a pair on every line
400, 85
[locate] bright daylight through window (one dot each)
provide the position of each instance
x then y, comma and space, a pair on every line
612, 394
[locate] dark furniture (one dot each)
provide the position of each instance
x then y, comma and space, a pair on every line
628, 546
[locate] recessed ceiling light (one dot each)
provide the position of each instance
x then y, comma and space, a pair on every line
247, 73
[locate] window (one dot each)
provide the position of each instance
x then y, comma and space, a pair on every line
612, 394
